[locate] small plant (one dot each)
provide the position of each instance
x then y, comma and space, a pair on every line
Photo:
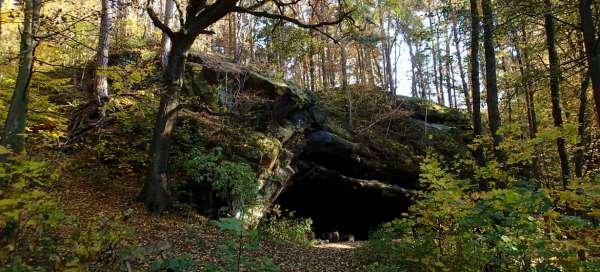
286, 227
235, 251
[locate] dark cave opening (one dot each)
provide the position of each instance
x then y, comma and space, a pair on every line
335, 205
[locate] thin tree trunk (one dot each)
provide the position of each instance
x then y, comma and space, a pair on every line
491, 79
413, 66
14, 128
440, 65
449, 85
592, 49
555, 91
436, 82
581, 126
345, 89
461, 70
102, 52
165, 43
475, 88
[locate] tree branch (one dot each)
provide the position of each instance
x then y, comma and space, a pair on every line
158, 23
296, 21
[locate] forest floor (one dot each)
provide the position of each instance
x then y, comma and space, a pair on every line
183, 231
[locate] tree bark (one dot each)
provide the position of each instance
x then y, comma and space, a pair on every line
592, 49
475, 87
165, 43
102, 52
491, 78
555, 91
14, 128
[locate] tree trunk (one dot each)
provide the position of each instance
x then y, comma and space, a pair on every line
154, 194
581, 125
14, 128
555, 91
102, 52
436, 82
413, 66
461, 68
165, 43
449, 76
475, 88
491, 79
440, 65
345, 84
591, 48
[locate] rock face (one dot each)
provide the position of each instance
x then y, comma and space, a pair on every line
345, 181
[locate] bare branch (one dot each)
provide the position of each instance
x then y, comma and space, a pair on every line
296, 22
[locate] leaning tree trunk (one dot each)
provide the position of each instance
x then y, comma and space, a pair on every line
165, 43
491, 78
154, 194
475, 87
14, 128
591, 48
101, 76
555, 92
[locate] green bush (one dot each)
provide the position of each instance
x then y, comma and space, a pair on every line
455, 228
234, 182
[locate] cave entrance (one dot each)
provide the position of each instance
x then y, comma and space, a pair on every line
338, 203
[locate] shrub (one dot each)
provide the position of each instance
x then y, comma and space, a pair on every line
453, 227
285, 227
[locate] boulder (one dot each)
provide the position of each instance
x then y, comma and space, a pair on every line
347, 180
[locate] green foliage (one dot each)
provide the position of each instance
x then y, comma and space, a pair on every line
38, 236
285, 227
455, 228
125, 146
235, 182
